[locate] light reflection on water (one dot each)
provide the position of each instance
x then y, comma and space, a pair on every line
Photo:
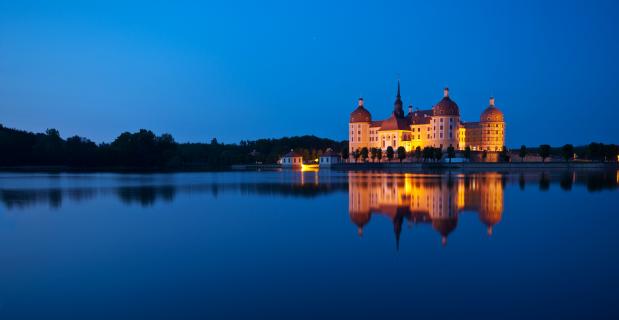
193, 243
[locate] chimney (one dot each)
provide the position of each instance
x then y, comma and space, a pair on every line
410, 109
360, 102
492, 101
446, 92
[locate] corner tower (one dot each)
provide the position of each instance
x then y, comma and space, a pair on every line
359, 128
492, 128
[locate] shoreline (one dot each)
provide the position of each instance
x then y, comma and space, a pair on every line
368, 166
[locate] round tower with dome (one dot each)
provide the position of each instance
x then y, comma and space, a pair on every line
359, 127
445, 123
492, 128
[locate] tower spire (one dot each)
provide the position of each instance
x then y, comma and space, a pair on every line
397, 105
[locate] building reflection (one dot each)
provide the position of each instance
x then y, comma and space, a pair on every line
435, 200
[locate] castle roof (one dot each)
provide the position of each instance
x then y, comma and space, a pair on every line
360, 114
420, 117
395, 123
492, 113
446, 107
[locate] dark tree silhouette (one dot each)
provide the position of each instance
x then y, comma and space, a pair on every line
438, 154
522, 153
544, 151
451, 153
390, 153
345, 154
364, 154
145, 150
401, 153
467, 153
504, 155
428, 153
356, 154
418, 153
379, 154
567, 151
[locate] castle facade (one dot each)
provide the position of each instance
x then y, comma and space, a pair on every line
438, 127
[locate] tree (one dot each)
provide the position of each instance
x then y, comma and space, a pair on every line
544, 151
401, 153
438, 154
390, 153
467, 153
428, 153
504, 154
610, 152
523, 152
356, 154
418, 153
567, 151
451, 152
373, 154
595, 151
379, 154
345, 154
364, 154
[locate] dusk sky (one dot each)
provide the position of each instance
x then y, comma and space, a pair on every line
248, 70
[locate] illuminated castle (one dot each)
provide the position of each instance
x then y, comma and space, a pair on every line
440, 126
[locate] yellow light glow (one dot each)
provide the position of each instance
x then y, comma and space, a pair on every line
309, 167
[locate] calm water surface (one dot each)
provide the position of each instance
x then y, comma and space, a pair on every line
309, 245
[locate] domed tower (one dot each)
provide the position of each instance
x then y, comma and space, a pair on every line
445, 123
359, 128
492, 128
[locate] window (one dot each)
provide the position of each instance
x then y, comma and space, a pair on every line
441, 127
441, 135
441, 119
359, 132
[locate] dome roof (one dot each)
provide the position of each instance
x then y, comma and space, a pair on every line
492, 113
360, 114
446, 107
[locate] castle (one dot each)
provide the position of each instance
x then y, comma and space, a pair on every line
439, 127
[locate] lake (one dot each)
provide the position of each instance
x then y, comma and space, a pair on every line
290, 244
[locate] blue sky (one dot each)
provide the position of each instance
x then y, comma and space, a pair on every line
248, 70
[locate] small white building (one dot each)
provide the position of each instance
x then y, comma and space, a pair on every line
291, 160
329, 158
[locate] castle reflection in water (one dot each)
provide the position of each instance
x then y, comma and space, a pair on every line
435, 200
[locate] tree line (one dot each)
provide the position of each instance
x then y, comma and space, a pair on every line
592, 152
144, 149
